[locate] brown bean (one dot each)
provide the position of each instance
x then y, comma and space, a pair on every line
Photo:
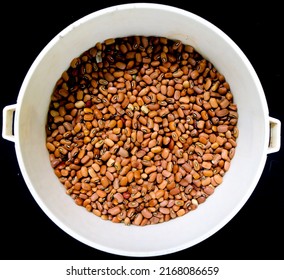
146, 213
222, 128
138, 219
150, 169
218, 179
164, 210
180, 212
122, 152
101, 193
106, 156
114, 211
209, 189
156, 149
222, 113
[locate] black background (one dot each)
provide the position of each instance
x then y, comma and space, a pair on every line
256, 232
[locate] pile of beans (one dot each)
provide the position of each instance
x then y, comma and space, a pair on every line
141, 130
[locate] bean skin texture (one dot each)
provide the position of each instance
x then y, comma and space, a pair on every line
141, 130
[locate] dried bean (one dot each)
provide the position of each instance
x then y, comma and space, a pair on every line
145, 133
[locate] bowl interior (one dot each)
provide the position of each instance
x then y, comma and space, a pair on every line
142, 19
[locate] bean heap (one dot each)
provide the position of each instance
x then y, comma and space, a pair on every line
141, 130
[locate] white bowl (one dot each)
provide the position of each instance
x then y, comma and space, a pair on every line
259, 134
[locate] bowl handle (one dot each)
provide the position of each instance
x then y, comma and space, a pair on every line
8, 118
274, 138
